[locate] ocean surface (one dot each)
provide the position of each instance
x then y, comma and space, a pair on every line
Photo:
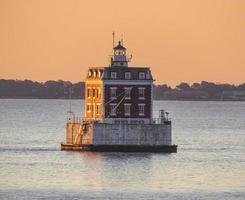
210, 163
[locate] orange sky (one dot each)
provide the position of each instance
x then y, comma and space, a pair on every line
181, 40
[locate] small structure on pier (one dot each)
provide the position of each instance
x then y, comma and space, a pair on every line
119, 111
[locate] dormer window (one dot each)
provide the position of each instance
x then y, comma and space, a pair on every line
142, 75
127, 75
113, 75
89, 73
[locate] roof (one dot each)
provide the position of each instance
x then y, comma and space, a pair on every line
121, 72
119, 47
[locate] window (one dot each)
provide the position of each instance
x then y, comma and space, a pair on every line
113, 109
127, 75
127, 93
99, 93
88, 93
127, 109
142, 75
113, 75
88, 108
97, 109
113, 92
141, 93
141, 109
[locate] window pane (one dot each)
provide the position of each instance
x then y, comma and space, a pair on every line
128, 93
113, 109
141, 109
141, 92
127, 75
127, 109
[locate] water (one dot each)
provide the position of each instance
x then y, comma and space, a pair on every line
210, 163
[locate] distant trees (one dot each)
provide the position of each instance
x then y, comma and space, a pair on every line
64, 89
47, 90
200, 91
183, 86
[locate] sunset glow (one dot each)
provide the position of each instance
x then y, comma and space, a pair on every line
182, 41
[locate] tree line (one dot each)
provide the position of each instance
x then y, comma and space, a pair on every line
64, 90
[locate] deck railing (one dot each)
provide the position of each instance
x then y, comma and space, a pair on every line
82, 120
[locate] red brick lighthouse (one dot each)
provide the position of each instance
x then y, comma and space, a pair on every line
118, 111
119, 93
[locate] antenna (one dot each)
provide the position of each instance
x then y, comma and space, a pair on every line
113, 40
122, 39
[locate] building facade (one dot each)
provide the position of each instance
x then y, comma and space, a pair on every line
119, 93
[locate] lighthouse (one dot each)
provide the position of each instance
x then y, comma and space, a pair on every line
119, 111
119, 93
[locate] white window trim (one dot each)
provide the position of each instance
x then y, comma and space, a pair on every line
127, 88
113, 114
97, 110
115, 73
89, 105
113, 88
141, 104
140, 76
127, 104
141, 88
126, 76
88, 92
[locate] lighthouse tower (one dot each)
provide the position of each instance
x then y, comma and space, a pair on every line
119, 58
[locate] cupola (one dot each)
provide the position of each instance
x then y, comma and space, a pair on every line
119, 57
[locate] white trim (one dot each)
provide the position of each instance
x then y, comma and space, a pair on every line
114, 113
128, 82
112, 120
141, 113
128, 89
141, 89
90, 81
151, 106
113, 73
114, 89
128, 77
127, 113
141, 73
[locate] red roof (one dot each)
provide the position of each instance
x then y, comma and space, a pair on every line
119, 46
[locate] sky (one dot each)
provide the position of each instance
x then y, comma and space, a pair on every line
181, 40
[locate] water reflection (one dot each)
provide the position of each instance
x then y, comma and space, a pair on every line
210, 156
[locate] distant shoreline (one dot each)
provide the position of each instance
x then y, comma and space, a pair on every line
203, 91
206, 100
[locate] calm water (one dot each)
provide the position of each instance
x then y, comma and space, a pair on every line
210, 163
